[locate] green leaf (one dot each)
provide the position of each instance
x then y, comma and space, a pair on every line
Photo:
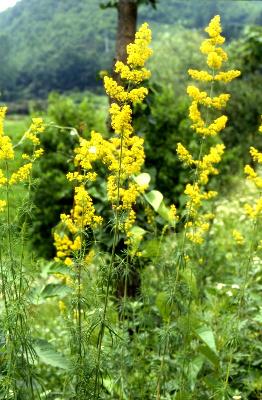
142, 179
154, 198
60, 269
137, 231
194, 369
206, 335
164, 212
210, 355
52, 290
48, 355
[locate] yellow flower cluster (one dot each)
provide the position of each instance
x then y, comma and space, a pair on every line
139, 52
216, 56
197, 224
22, 174
122, 154
133, 72
7, 152
132, 75
254, 211
238, 237
205, 166
6, 147
197, 229
82, 215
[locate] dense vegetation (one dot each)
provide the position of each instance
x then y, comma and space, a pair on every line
130, 257
62, 45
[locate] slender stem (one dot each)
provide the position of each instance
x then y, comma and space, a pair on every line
110, 268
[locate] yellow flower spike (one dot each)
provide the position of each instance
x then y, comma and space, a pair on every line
227, 76
132, 75
121, 119
214, 60
22, 174
139, 52
114, 90
184, 155
2, 117
256, 155
214, 28
200, 75
6, 148
173, 213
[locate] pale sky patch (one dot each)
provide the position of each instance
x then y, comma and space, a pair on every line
4, 4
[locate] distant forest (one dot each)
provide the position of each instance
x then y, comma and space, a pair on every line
63, 44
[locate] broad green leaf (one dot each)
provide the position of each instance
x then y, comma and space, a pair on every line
206, 335
155, 199
164, 212
142, 179
194, 369
137, 231
52, 290
59, 268
48, 355
210, 355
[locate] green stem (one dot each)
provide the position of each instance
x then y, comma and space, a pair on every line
112, 259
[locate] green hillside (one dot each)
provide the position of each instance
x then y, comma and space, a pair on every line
62, 44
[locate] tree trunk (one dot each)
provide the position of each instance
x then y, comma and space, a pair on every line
126, 29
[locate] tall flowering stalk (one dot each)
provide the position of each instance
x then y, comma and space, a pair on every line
123, 156
17, 379
207, 124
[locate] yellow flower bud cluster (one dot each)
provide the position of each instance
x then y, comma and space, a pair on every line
7, 152
22, 174
238, 237
6, 147
216, 56
122, 154
132, 72
254, 211
197, 229
205, 165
